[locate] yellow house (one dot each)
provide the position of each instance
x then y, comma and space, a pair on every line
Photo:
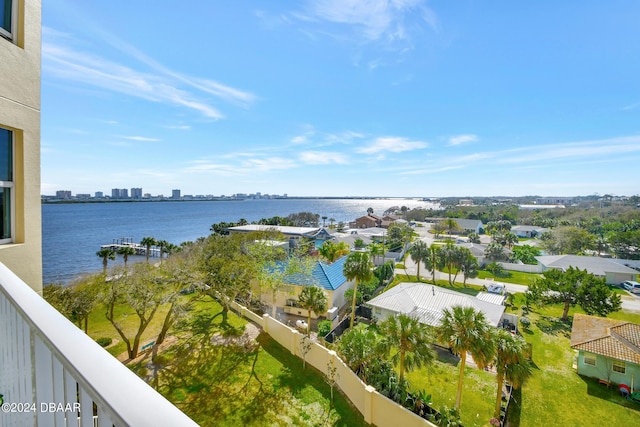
20, 225
328, 277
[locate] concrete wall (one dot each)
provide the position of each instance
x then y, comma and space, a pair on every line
526, 268
377, 409
20, 113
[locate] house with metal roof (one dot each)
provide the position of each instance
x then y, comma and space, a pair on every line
427, 303
329, 277
613, 272
608, 349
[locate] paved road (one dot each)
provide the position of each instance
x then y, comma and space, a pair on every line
630, 302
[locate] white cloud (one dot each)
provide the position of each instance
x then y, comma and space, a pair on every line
268, 164
323, 158
299, 139
392, 144
631, 106
160, 84
462, 139
141, 138
371, 20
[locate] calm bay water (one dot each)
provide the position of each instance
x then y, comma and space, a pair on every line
73, 233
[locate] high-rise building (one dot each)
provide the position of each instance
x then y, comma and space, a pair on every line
119, 193
63, 194
175, 194
99, 195
136, 193
20, 222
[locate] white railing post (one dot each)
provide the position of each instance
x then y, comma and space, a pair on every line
47, 361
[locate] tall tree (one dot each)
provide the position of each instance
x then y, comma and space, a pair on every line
510, 239
574, 287
450, 257
419, 253
468, 265
174, 276
126, 252
451, 225
106, 254
411, 341
277, 269
466, 330
357, 267
495, 252
360, 349
229, 267
148, 242
510, 363
331, 251
312, 299
376, 250
162, 244
133, 289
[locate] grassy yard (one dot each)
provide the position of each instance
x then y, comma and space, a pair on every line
220, 379
515, 277
556, 395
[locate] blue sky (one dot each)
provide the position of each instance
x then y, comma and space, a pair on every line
342, 97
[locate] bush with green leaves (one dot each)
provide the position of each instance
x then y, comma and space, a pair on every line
525, 322
104, 341
324, 327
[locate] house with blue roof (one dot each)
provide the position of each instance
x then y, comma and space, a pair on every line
329, 277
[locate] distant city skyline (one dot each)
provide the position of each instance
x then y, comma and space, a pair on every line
387, 98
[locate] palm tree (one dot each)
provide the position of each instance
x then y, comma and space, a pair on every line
359, 348
333, 251
510, 239
510, 363
162, 244
312, 298
148, 242
412, 341
469, 266
466, 330
369, 211
376, 250
126, 251
106, 254
357, 267
419, 253
433, 262
451, 225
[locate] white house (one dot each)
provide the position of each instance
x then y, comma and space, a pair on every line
613, 272
427, 303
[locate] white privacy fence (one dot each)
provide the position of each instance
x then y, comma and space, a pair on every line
376, 409
52, 374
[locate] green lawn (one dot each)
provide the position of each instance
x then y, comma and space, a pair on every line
219, 380
555, 396
515, 277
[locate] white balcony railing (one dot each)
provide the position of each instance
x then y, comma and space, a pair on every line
52, 374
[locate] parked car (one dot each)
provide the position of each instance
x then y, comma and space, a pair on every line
632, 286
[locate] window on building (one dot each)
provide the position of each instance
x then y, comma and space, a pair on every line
6, 184
8, 11
589, 359
619, 366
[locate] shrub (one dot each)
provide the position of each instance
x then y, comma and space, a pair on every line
104, 341
324, 327
525, 322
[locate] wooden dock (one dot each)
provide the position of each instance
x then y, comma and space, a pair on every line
122, 242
